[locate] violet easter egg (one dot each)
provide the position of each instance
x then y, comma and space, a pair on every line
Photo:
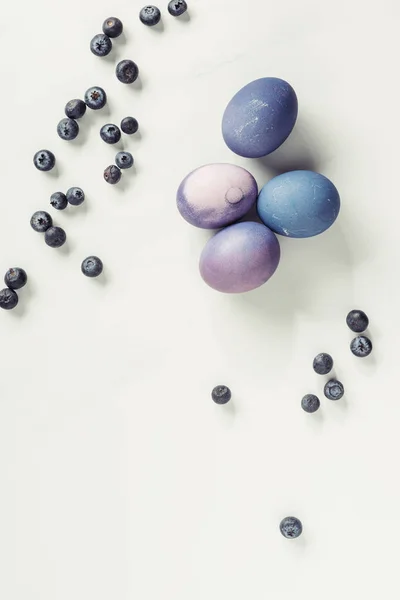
240, 258
299, 204
260, 117
216, 195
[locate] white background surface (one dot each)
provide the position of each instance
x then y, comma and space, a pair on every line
119, 476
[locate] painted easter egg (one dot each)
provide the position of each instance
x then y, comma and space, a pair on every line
299, 204
240, 258
216, 195
260, 117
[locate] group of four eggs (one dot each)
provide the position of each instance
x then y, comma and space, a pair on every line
298, 204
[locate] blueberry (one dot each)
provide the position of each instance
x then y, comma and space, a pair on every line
101, 45
15, 278
357, 321
129, 125
41, 221
291, 528
127, 71
361, 346
176, 8
68, 129
8, 299
124, 160
110, 133
310, 403
112, 174
221, 394
44, 160
323, 363
112, 27
75, 109
150, 15
334, 389
55, 237
75, 196
92, 266
59, 201
95, 98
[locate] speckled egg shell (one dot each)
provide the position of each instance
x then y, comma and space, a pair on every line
216, 195
299, 204
240, 258
260, 117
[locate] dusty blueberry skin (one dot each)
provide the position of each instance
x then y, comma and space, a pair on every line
129, 125
75, 109
124, 160
357, 321
68, 129
127, 71
110, 133
176, 8
334, 389
310, 403
101, 45
112, 174
113, 27
323, 363
15, 278
92, 266
291, 528
95, 98
55, 237
75, 196
8, 299
59, 201
361, 346
44, 160
221, 394
41, 221
150, 15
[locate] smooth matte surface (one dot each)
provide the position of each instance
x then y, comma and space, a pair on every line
119, 476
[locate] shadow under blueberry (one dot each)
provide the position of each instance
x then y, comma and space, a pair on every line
185, 18
137, 85
159, 28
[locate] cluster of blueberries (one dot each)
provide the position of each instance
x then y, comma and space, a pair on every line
15, 279
151, 15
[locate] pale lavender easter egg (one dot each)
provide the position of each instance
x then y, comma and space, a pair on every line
216, 195
240, 258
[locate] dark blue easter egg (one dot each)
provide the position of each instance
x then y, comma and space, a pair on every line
299, 204
260, 117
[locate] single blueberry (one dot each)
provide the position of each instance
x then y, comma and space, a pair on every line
8, 299
323, 363
55, 237
58, 200
357, 321
41, 221
291, 528
44, 160
176, 8
127, 71
68, 129
75, 109
150, 15
112, 174
75, 196
15, 278
361, 346
92, 266
101, 45
110, 133
95, 98
310, 403
221, 394
112, 27
124, 160
334, 389
129, 125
